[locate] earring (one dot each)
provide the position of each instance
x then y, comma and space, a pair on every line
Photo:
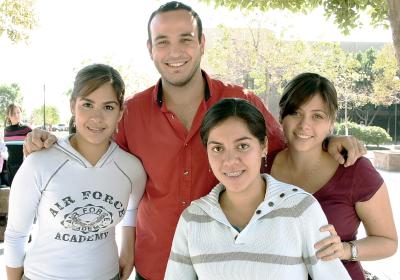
265, 161
116, 129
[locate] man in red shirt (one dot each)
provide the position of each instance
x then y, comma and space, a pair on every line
161, 127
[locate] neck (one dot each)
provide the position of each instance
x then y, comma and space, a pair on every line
300, 161
186, 94
92, 153
245, 201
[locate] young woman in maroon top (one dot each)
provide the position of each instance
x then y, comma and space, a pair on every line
347, 195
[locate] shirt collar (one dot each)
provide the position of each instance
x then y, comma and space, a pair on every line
158, 93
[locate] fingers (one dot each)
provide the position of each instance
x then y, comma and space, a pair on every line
346, 149
355, 150
330, 247
125, 272
50, 141
339, 157
30, 145
329, 241
351, 147
334, 251
37, 140
329, 228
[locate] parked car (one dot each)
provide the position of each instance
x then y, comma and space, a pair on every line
59, 127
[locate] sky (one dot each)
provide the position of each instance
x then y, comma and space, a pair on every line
70, 32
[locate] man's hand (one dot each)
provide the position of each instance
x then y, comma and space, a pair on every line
37, 140
345, 149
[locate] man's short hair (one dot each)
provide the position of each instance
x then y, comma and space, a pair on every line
175, 6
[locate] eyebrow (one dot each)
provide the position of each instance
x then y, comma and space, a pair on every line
161, 37
317, 110
91, 101
237, 140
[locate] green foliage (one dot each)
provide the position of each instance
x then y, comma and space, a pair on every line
387, 82
8, 94
376, 135
16, 19
52, 115
235, 53
346, 14
368, 134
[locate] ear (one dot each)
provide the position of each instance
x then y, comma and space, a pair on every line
202, 43
150, 48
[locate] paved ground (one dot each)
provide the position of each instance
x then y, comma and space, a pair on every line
387, 269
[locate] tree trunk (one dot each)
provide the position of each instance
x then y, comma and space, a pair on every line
394, 18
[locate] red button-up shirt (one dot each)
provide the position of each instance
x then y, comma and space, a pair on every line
176, 164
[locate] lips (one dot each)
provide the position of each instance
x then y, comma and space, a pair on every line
302, 136
176, 64
95, 129
234, 174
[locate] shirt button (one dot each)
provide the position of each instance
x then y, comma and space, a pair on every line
258, 212
270, 204
186, 173
183, 203
282, 195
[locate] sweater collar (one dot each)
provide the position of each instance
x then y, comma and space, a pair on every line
276, 193
64, 145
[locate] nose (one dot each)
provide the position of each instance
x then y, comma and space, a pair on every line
175, 49
231, 157
304, 121
97, 114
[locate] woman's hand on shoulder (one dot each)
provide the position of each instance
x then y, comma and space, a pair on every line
331, 247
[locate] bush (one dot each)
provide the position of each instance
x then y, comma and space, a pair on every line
368, 134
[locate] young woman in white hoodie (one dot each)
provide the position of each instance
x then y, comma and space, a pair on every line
78, 191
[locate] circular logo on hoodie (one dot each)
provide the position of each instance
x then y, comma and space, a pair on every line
89, 218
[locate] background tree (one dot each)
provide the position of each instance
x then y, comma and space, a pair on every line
387, 83
135, 80
364, 86
16, 19
52, 116
8, 94
346, 14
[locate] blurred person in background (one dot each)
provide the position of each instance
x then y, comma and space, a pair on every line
14, 135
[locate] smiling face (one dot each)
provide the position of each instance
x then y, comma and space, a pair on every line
235, 155
175, 48
306, 128
96, 117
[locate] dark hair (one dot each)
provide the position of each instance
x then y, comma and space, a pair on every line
91, 78
302, 88
9, 110
234, 107
175, 6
